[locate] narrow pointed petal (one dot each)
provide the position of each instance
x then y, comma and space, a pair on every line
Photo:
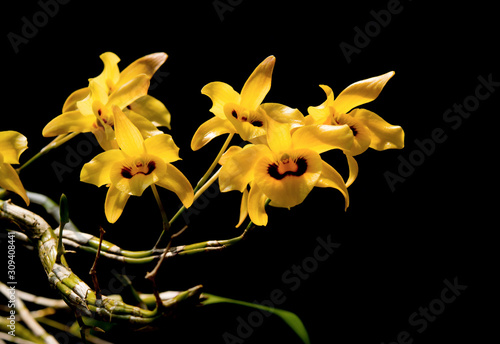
146, 128
162, 146
220, 93
97, 171
257, 206
322, 138
78, 95
243, 208
279, 137
353, 169
383, 135
283, 114
210, 129
151, 109
330, 178
114, 204
129, 138
69, 122
258, 84
175, 181
361, 92
9, 180
129, 92
147, 65
12, 144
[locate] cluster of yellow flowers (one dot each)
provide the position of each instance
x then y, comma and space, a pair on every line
281, 163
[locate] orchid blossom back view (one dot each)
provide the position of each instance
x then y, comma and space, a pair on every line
273, 155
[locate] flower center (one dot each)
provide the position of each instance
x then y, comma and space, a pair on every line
138, 167
287, 167
244, 117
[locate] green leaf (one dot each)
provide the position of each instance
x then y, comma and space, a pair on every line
289, 318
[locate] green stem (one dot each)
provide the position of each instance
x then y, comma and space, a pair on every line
214, 163
202, 185
59, 140
166, 223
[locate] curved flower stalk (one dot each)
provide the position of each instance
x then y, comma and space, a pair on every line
90, 109
284, 171
369, 129
137, 165
243, 113
12, 145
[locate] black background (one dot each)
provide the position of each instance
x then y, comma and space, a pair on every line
396, 247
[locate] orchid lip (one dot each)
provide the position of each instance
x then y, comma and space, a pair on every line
128, 172
287, 167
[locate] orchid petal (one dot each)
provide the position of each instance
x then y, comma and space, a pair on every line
243, 208
318, 114
210, 129
146, 65
330, 178
322, 138
220, 93
353, 169
237, 171
129, 138
76, 96
152, 109
258, 84
248, 124
257, 206
175, 181
72, 121
146, 128
115, 203
361, 92
111, 73
9, 180
383, 135
288, 189
12, 144
129, 92
97, 171
162, 146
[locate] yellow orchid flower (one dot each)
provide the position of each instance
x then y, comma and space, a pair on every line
243, 113
369, 129
138, 164
89, 109
12, 144
284, 171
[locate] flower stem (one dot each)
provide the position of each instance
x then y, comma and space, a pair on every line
166, 223
204, 182
59, 140
214, 163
